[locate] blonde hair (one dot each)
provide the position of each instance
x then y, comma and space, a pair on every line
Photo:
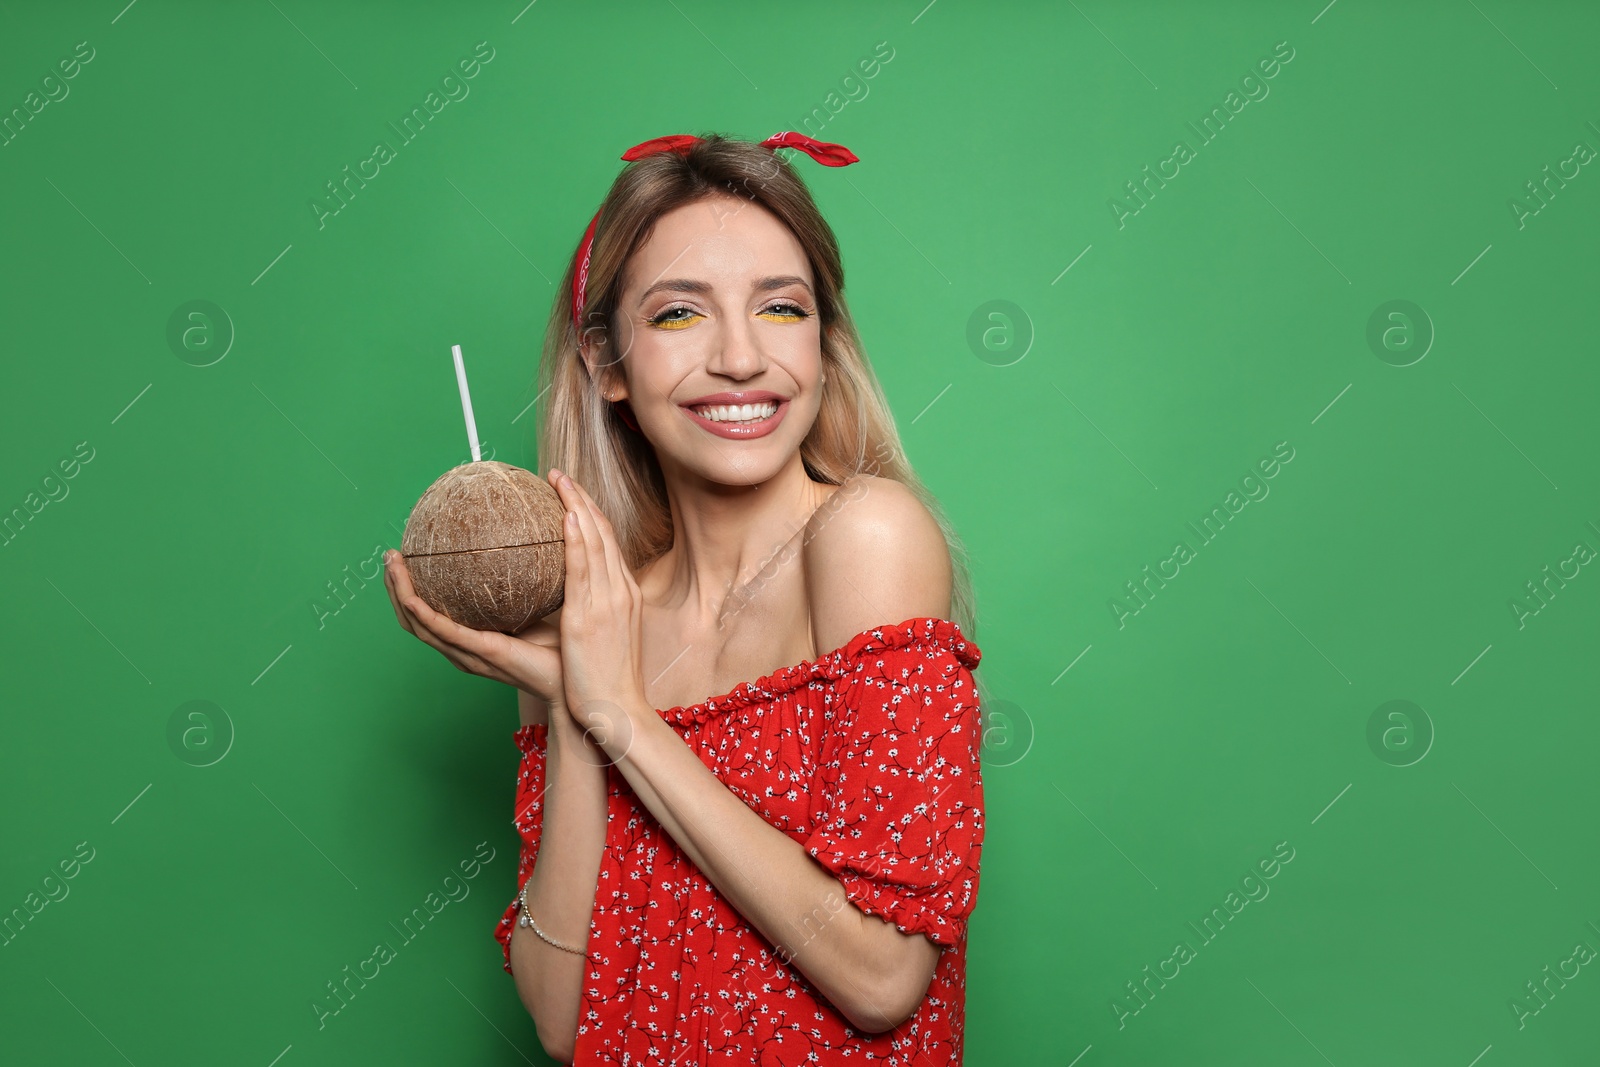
581, 433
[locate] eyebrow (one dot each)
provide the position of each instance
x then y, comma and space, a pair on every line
690, 285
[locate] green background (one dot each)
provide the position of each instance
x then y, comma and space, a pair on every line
1145, 764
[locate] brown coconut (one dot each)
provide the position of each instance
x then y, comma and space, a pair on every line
484, 546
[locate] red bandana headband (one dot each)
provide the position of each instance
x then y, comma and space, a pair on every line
829, 155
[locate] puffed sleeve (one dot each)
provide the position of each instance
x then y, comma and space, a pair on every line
898, 789
528, 815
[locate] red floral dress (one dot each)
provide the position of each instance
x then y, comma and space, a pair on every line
869, 757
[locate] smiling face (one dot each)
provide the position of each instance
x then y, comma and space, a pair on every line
717, 341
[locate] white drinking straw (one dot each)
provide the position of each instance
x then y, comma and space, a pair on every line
466, 402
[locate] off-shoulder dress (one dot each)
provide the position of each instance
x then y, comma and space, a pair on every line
869, 757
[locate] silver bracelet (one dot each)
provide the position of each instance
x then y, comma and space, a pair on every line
526, 919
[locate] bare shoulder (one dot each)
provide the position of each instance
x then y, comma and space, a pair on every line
873, 556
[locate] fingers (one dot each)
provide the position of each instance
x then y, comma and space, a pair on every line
577, 569
602, 560
607, 535
586, 562
600, 576
423, 631
470, 650
444, 628
394, 571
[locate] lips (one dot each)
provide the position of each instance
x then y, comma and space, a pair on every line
738, 416
738, 396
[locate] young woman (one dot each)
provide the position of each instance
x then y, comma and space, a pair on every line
781, 874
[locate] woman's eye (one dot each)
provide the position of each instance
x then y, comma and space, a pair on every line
787, 312
664, 322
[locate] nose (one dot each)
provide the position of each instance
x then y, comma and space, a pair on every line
736, 353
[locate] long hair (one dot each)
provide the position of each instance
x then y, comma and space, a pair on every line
581, 433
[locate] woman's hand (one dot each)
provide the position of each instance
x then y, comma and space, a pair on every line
601, 624
531, 660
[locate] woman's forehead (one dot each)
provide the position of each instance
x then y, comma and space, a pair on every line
719, 239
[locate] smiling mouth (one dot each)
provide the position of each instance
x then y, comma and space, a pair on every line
736, 413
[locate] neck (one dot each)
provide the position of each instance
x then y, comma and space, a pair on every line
723, 535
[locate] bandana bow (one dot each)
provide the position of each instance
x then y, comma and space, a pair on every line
829, 155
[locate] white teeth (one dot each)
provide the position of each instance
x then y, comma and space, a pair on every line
737, 412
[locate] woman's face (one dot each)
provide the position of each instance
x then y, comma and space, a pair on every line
718, 341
